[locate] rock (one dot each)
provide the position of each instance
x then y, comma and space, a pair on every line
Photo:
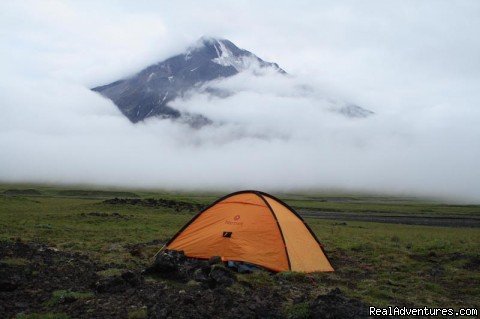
8, 285
473, 263
136, 252
221, 275
117, 284
68, 299
22, 305
336, 305
111, 284
200, 275
188, 270
167, 262
133, 279
9, 281
151, 202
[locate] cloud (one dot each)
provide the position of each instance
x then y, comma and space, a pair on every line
415, 65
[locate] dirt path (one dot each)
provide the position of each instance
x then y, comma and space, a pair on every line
460, 221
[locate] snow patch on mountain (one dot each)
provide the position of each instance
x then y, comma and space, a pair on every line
227, 58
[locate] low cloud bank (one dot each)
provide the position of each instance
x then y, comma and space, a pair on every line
274, 133
265, 136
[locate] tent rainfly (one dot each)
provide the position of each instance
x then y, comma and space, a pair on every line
252, 227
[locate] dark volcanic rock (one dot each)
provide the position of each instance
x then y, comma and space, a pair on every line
167, 262
151, 202
132, 278
111, 284
221, 275
174, 265
37, 271
473, 263
336, 305
8, 284
40, 270
149, 92
200, 275
118, 284
9, 280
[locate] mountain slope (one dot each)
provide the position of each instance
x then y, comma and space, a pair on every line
148, 92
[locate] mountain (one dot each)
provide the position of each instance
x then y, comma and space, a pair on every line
148, 92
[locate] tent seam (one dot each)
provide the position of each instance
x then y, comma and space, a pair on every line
279, 227
304, 223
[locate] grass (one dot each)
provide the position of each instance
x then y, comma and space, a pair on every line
292, 276
59, 222
59, 296
139, 313
380, 263
110, 272
398, 264
298, 311
257, 279
10, 261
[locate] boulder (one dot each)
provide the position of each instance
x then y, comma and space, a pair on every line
221, 276
336, 305
200, 275
113, 284
132, 278
118, 284
168, 261
8, 285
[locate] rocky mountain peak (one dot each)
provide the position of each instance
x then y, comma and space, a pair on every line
149, 92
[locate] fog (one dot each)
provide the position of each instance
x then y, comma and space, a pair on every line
414, 64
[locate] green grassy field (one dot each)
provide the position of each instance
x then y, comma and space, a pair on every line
383, 264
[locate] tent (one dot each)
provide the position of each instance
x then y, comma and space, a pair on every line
252, 227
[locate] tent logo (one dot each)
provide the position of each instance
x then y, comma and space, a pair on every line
235, 221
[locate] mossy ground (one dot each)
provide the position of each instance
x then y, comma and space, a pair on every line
59, 296
380, 263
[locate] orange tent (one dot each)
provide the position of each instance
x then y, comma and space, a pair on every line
253, 227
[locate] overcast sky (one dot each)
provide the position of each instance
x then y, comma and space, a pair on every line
414, 63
